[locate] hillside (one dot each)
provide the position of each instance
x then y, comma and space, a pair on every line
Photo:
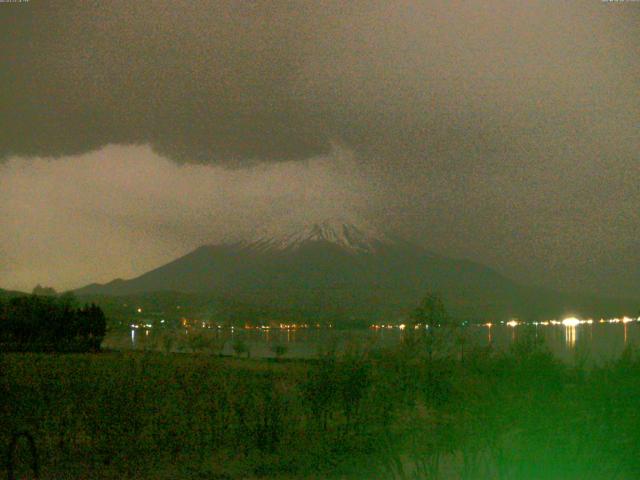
350, 273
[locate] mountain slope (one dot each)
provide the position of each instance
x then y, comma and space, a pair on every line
340, 270
7, 294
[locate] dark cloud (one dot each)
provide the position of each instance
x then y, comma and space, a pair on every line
202, 81
226, 80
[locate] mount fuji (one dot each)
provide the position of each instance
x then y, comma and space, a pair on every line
352, 238
339, 270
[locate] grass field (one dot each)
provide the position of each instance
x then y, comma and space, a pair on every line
396, 414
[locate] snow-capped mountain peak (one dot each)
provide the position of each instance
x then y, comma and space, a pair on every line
360, 237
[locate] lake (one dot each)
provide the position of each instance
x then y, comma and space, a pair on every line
595, 342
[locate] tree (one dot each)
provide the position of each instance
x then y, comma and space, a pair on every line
278, 350
240, 347
44, 291
47, 323
68, 300
431, 311
96, 326
432, 314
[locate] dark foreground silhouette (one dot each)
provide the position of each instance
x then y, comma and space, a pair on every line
35, 323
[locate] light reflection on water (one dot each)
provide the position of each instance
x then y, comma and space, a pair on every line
598, 341
570, 336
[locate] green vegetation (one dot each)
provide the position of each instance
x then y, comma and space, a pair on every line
50, 323
424, 409
399, 414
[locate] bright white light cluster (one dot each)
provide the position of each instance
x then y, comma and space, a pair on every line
574, 321
571, 322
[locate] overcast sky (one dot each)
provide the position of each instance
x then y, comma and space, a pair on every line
505, 132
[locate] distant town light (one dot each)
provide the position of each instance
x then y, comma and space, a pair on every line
513, 323
570, 322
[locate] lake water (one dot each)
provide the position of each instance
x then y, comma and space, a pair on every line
596, 342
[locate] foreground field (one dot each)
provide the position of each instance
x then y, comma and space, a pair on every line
398, 414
